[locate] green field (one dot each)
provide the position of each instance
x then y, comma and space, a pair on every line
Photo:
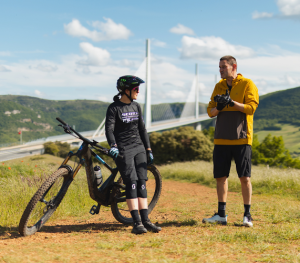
290, 134
188, 195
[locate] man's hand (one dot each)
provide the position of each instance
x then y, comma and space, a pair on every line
220, 106
223, 100
228, 99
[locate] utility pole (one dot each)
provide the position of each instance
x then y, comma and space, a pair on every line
147, 106
20, 132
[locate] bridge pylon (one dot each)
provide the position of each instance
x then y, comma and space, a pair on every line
147, 105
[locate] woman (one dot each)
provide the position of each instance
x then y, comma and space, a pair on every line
126, 134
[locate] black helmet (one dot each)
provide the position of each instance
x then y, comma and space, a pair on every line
128, 82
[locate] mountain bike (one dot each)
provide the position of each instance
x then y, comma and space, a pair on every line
111, 192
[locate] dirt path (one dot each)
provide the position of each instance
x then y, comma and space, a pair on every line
101, 238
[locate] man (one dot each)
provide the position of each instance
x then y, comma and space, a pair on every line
234, 101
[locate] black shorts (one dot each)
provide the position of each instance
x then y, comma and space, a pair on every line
133, 166
223, 154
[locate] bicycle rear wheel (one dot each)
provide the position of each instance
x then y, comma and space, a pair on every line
44, 202
119, 206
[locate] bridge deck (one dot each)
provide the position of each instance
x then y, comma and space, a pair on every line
36, 147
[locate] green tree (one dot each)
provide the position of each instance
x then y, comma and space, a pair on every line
271, 151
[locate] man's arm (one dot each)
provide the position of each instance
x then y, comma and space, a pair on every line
214, 112
239, 106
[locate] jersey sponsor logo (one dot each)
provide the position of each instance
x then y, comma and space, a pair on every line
130, 116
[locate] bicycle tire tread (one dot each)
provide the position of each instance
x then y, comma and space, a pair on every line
23, 229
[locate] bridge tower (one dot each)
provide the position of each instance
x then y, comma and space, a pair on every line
197, 124
147, 105
196, 93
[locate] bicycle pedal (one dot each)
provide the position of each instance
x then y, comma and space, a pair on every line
95, 209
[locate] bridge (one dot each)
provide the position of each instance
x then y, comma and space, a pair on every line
190, 115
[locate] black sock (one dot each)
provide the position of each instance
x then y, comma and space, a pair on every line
221, 209
135, 216
144, 215
247, 210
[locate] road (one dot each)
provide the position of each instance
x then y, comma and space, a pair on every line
20, 152
36, 147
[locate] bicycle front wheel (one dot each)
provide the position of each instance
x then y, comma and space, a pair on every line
44, 202
119, 206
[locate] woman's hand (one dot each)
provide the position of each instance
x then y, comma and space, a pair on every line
150, 157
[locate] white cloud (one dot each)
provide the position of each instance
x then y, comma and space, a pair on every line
292, 81
289, 7
38, 93
182, 30
47, 67
4, 69
93, 74
109, 30
211, 48
258, 15
96, 56
176, 94
158, 43
103, 98
5, 54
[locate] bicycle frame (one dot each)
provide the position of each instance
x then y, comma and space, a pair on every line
106, 193
103, 194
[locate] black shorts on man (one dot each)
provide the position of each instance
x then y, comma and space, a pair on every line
133, 166
223, 154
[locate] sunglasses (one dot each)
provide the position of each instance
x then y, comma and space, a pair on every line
137, 89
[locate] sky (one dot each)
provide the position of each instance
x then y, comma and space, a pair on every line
67, 50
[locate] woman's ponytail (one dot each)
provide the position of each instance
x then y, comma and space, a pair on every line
116, 98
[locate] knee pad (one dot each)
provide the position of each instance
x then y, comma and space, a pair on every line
131, 190
141, 189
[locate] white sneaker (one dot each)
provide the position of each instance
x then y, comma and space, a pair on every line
216, 219
247, 221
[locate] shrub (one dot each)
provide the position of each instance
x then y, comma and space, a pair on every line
57, 148
51, 148
210, 133
184, 144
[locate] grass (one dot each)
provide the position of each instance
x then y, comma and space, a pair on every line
74, 235
20, 179
290, 134
274, 181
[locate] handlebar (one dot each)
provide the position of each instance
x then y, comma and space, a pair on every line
61, 121
93, 143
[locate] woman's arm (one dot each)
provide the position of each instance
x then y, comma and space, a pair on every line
110, 125
142, 130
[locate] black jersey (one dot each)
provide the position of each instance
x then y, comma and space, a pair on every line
124, 125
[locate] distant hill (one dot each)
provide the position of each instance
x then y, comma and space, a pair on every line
36, 117
280, 107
